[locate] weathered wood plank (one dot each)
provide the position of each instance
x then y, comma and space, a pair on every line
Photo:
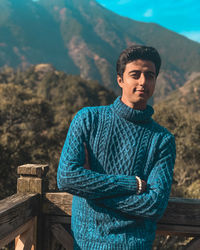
193, 245
57, 219
181, 217
57, 203
16, 210
20, 230
27, 239
32, 179
47, 235
179, 211
38, 170
170, 229
62, 236
49, 240
182, 212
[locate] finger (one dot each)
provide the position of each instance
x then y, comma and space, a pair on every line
86, 164
144, 185
86, 152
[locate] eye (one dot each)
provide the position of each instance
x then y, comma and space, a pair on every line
150, 75
135, 75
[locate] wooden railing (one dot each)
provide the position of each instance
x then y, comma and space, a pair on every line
40, 220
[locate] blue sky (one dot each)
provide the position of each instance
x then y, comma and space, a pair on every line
181, 16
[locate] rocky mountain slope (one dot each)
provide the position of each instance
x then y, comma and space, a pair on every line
82, 37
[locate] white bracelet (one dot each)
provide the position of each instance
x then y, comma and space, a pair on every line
139, 185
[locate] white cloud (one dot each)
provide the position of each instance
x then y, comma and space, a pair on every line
148, 13
193, 35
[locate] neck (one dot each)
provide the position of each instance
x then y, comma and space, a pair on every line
137, 106
132, 114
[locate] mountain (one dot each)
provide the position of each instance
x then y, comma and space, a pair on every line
179, 112
82, 37
186, 99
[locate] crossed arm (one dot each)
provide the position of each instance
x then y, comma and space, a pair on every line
154, 200
118, 192
75, 178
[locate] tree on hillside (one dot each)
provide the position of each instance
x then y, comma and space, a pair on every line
36, 110
24, 123
37, 107
175, 114
186, 130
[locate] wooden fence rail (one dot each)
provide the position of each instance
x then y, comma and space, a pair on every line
40, 220
18, 215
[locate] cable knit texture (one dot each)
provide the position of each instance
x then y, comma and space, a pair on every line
107, 212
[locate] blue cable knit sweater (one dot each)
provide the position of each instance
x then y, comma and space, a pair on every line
107, 212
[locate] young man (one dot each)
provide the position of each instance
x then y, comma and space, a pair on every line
118, 162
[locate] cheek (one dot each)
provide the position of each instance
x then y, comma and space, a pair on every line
152, 88
130, 84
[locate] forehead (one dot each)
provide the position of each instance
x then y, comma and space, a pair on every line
140, 65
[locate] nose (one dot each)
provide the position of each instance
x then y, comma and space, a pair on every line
142, 79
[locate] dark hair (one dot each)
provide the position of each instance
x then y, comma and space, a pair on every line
135, 52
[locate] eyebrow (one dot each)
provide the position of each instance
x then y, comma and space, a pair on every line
138, 71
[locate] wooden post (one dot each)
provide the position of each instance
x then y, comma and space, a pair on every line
32, 180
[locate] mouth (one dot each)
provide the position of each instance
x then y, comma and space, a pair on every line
142, 91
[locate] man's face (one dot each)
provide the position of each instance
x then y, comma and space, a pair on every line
138, 83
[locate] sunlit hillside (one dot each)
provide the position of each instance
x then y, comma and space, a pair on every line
36, 109
179, 112
84, 38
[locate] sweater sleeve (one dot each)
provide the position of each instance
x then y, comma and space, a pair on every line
72, 177
153, 202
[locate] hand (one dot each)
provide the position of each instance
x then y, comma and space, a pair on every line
141, 185
86, 164
144, 186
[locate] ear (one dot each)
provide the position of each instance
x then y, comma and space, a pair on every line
120, 80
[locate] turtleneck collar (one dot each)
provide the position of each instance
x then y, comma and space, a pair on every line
130, 114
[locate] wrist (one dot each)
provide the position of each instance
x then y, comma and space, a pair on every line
139, 182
